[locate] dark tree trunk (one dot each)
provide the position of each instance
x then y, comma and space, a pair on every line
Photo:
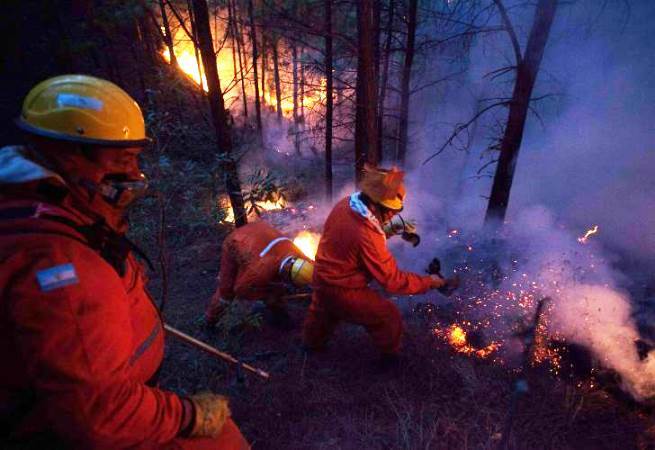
294, 57
264, 62
230, 28
168, 38
385, 74
137, 53
328, 99
302, 87
406, 79
276, 76
366, 135
236, 30
377, 11
526, 75
253, 39
219, 115
194, 36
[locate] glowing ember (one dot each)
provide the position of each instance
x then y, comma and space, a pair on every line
307, 242
453, 233
456, 336
588, 234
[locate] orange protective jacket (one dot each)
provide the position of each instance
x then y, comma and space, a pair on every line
250, 260
78, 342
353, 251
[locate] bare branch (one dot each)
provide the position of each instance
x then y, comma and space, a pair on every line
510, 31
434, 82
181, 22
498, 72
487, 164
462, 127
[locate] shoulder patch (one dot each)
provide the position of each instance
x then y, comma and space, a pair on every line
56, 277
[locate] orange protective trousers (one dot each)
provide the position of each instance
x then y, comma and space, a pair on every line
331, 305
352, 252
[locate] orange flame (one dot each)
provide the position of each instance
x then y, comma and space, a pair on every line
307, 242
314, 86
225, 205
590, 232
456, 336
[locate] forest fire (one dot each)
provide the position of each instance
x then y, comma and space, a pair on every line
186, 59
230, 71
517, 128
590, 232
307, 242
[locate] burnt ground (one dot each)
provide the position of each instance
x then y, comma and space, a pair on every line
341, 399
436, 398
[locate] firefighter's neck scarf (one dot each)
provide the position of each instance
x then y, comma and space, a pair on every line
360, 208
16, 168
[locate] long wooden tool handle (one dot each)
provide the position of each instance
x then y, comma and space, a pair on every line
212, 350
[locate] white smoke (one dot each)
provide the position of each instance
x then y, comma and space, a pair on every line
588, 306
599, 318
590, 162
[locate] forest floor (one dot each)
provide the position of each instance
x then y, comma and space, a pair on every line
341, 399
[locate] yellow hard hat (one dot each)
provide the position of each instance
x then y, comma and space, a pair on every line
302, 272
84, 109
384, 186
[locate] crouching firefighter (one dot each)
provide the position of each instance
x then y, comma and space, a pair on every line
351, 253
259, 263
80, 337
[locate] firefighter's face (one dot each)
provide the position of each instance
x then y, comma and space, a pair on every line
121, 180
119, 160
387, 214
384, 215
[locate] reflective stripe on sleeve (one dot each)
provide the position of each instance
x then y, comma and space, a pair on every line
272, 244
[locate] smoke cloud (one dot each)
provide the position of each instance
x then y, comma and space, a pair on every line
587, 160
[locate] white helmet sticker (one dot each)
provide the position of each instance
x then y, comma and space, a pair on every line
79, 101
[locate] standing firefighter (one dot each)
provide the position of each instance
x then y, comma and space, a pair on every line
80, 338
256, 263
352, 252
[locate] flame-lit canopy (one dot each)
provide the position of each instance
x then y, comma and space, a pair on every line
314, 86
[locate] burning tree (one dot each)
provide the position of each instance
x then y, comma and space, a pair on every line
219, 115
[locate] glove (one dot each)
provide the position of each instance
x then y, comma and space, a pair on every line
437, 282
397, 225
450, 285
211, 413
412, 238
406, 228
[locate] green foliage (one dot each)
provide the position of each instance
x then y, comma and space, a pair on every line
262, 186
236, 319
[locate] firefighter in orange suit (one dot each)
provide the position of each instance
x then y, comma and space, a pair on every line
80, 338
257, 262
352, 252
